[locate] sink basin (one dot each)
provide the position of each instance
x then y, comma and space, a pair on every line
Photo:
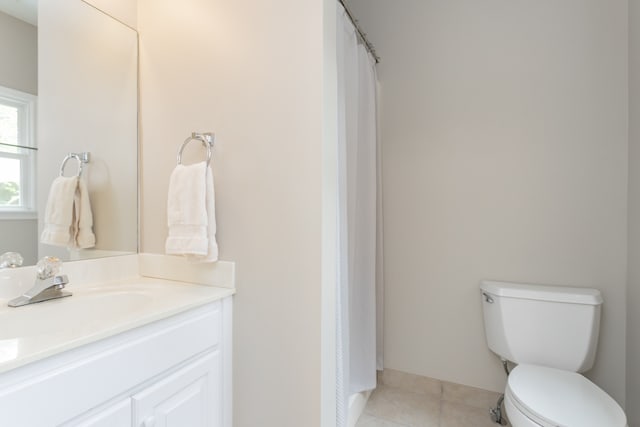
95, 312
80, 312
27, 328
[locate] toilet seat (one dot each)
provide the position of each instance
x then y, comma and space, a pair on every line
552, 397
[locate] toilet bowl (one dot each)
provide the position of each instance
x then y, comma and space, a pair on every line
539, 396
551, 333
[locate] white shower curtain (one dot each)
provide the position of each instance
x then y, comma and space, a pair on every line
358, 227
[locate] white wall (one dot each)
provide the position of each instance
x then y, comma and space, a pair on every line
504, 129
250, 71
633, 292
88, 102
19, 50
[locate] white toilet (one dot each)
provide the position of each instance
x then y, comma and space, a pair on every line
551, 333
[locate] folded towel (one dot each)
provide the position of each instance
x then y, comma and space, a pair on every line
84, 237
191, 214
212, 244
59, 212
68, 219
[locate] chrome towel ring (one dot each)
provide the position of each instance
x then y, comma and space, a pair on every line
206, 138
82, 158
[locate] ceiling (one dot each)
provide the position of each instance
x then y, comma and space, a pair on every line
25, 10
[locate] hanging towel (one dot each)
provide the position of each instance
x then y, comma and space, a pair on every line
68, 219
83, 236
191, 213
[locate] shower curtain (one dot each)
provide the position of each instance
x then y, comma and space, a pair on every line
359, 240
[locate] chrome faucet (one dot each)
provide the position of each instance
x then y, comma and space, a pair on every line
48, 284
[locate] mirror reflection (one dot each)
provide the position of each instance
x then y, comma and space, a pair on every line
77, 68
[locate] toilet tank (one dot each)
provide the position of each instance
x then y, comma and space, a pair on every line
550, 326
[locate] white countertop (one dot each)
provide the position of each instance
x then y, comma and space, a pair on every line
94, 312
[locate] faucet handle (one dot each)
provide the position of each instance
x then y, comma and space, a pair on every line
11, 260
48, 267
60, 281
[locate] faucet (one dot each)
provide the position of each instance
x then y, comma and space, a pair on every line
48, 284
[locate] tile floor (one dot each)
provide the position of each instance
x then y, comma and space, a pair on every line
405, 400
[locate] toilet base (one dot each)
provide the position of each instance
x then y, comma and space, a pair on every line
517, 418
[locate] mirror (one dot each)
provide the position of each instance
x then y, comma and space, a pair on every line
87, 101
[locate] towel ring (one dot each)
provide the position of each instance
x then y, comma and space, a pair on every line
206, 139
80, 157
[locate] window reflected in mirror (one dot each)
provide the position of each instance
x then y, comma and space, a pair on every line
17, 151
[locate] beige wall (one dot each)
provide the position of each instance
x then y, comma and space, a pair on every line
633, 295
19, 50
126, 11
19, 53
88, 102
251, 71
504, 129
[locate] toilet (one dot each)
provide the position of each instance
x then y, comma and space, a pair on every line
551, 333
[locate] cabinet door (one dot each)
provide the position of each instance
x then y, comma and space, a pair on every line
189, 397
118, 415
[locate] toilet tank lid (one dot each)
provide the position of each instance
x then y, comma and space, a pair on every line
563, 294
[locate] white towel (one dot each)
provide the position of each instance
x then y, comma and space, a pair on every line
83, 236
191, 214
68, 219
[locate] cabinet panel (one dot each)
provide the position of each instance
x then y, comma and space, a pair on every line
118, 415
189, 397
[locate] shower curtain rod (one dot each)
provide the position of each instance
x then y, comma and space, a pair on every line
370, 47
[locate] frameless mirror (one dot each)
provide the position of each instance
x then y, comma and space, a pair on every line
85, 90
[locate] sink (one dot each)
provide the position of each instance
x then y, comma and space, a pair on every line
28, 329
80, 312
31, 328
94, 312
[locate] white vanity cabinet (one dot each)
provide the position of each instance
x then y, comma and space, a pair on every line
174, 372
115, 415
189, 397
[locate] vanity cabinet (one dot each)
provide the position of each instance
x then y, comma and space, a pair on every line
115, 415
189, 397
173, 372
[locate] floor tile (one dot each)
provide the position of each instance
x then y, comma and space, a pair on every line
410, 382
471, 396
367, 420
407, 400
460, 415
403, 407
